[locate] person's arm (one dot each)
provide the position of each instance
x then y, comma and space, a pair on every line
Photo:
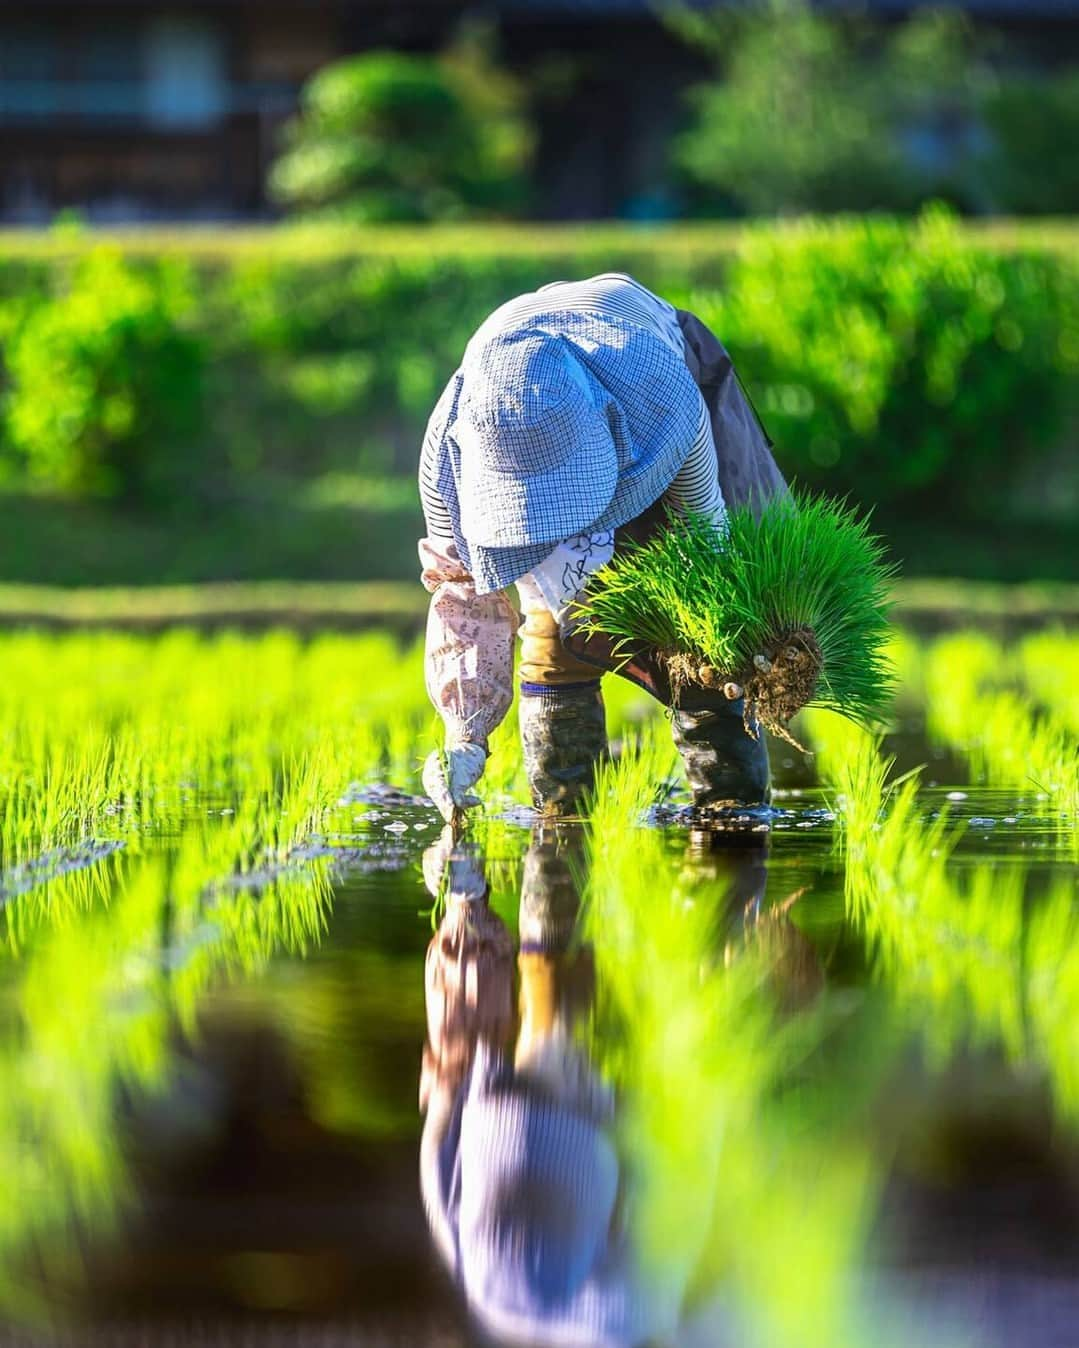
469, 656
469, 652
696, 488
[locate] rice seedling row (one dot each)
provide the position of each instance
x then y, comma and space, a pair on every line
178, 819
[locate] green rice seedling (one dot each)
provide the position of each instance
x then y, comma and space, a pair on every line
1049, 665
950, 946
105, 731
504, 775
792, 607
965, 956
904, 655
210, 760
1008, 740
626, 786
885, 843
842, 748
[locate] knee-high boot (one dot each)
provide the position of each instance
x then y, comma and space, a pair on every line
724, 764
564, 736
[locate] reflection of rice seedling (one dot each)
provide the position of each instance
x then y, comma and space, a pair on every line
735, 1179
1051, 1006
134, 967
792, 607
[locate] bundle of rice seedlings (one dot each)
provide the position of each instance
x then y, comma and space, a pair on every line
792, 608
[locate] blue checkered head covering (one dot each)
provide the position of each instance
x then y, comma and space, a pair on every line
537, 460
574, 422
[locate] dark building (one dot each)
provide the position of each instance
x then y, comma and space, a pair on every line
142, 109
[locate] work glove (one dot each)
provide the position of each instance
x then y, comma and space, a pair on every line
449, 773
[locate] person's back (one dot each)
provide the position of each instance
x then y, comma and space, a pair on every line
608, 295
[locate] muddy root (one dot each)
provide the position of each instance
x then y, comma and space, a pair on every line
685, 671
776, 694
778, 682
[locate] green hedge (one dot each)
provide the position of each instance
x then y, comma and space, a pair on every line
903, 362
922, 361
106, 381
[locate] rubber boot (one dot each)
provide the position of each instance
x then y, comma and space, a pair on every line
725, 765
564, 735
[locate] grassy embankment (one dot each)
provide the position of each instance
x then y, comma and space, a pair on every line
371, 534
926, 604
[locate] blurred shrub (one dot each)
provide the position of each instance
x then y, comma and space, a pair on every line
793, 123
894, 360
390, 136
103, 380
814, 111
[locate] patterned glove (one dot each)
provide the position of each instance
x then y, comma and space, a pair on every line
448, 774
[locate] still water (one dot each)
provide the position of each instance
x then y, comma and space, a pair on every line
544, 1086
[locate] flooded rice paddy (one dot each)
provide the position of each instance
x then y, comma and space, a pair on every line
283, 1062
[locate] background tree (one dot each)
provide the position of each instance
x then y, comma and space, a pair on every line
814, 112
389, 136
104, 383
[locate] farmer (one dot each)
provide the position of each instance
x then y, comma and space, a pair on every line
581, 415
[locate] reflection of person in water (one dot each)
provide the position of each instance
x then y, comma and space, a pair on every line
528, 1200
520, 1178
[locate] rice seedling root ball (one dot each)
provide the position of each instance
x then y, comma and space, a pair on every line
792, 607
777, 683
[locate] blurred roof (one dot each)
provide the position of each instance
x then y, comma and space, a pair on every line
1021, 9
1031, 10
